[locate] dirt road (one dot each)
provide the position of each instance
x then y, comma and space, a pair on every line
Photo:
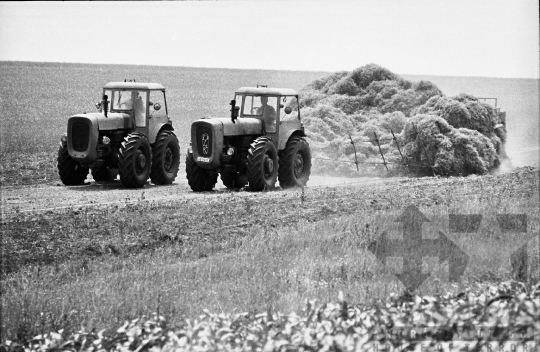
52, 196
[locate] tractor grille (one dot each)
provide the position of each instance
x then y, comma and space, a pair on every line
204, 141
80, 133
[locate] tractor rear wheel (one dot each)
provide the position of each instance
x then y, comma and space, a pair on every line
199, 179
104, 173
295, 163
71, 172
262, 164
134, 160
165, 158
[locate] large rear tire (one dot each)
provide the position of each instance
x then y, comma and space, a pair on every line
295, 163
165, 158
262, 164
71, 172
199, 179
104, 173
134, 160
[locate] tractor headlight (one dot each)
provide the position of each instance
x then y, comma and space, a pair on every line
189, 149
230, 151
63, 138
106, 140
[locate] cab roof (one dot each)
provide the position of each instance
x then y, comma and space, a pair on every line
266, 91
133, 85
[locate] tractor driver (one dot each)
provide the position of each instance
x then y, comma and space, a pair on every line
269, 114
138, 109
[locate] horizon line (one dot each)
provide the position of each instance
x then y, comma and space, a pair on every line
257, 69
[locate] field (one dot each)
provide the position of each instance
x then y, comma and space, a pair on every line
165, 250
48, 93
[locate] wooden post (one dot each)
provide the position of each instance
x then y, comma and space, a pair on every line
355, 157
399, 150
380, 150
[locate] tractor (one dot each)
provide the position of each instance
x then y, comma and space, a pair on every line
262, 141
131, 135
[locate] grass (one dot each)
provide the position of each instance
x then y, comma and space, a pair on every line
252, 253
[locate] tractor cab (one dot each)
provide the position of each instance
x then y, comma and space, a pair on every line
145, 103
277, 108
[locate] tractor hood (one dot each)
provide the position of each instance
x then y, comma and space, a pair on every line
113, 120
207, 137
240, 127
83, 133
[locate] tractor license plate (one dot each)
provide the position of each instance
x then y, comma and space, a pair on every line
206, 160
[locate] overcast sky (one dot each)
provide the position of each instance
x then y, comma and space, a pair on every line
494, 38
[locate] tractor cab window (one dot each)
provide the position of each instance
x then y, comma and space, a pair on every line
122, 100
238, 100
157, 107
288, 108
131, 100
263, 107
251, 105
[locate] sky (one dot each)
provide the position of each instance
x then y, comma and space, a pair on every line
490, 38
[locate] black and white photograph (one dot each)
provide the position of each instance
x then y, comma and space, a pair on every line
270, 175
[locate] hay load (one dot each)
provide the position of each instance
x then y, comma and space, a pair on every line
438, 134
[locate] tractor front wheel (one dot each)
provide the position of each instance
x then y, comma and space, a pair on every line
199, 179
134, 160
165, 158
262, 164
295, 163
71, 172
104, 173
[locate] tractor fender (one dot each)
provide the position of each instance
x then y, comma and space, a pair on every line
285, 134
156, 129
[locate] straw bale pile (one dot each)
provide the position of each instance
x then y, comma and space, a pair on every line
439, 135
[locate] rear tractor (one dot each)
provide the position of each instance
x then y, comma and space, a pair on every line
131, 135
261, 142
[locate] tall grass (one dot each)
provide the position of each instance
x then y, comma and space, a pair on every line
270, 268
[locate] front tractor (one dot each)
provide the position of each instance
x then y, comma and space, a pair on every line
131, 135
262, 141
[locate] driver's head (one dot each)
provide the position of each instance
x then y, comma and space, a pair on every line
264, 100
134, 94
